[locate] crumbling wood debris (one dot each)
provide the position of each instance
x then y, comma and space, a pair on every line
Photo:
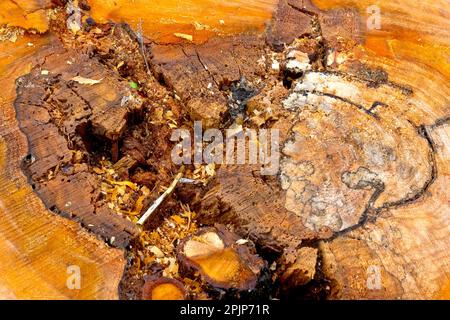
67, 123
154, 254
124, 166
201, 80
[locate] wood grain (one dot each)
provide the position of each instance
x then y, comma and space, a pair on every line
161, 20
409, 242
38, 246
25, 14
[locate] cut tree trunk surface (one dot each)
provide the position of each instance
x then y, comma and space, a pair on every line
38, 246
359, 207
57, 114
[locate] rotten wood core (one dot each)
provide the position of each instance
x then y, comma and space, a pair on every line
71, 126
347, 157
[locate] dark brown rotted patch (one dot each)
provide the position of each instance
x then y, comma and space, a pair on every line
66, 123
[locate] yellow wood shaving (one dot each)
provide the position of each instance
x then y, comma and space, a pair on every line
184, 36
124, 183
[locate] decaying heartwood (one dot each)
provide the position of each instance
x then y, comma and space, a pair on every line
240, 146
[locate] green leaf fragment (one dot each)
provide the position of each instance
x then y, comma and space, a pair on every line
134, 85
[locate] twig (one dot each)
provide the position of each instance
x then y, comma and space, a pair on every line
158, 201
140, 36
189, 181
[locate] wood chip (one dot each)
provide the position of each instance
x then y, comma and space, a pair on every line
156, 251
184, 36
82, 80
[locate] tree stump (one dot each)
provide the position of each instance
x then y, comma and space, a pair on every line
359, 208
